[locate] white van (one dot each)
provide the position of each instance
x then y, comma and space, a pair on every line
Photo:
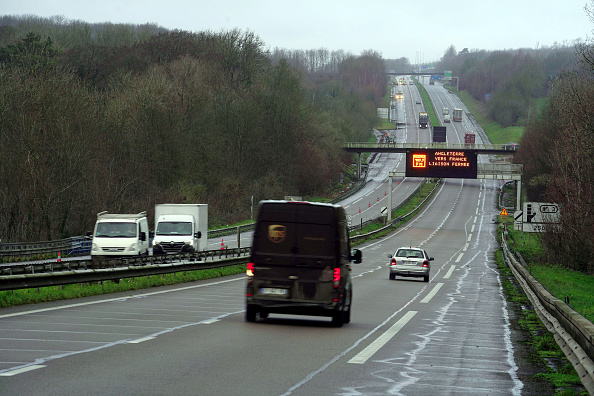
446, 118
119, 235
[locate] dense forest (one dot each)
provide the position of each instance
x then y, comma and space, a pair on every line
120, 117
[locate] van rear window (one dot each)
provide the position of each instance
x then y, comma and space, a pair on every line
294, 238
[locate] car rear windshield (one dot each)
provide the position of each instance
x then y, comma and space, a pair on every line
409, 253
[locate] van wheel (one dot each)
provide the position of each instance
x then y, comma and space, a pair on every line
347, 315
250, 313
338, 316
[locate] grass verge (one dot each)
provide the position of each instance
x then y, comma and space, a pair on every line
496, 134
563, 283
428, 105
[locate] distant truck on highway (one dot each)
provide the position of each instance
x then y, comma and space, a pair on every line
423, 119
469, 138
120, 235
458, 115
180, 228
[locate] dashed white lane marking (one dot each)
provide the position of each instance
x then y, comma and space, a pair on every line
450, 271
432, 293
382, 340
139, 340
21, 370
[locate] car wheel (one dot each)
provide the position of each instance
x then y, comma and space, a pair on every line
392, 276
263, 314
426, 278
250, 313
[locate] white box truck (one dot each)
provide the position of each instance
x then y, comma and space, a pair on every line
180, 228
120, 235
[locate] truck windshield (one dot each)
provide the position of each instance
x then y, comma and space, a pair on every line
174, 228
116, 230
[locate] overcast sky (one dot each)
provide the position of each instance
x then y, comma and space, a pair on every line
395, 28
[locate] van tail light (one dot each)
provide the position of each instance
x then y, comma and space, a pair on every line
336, 277
425, 264
250, 269
393, 262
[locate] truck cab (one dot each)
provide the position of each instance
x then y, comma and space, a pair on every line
180, 228
120, 235
423, 119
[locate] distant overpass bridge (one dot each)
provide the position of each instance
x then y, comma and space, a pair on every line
412, 73
365, 147
483, 170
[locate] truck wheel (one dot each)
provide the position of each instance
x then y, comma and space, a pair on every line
250, 313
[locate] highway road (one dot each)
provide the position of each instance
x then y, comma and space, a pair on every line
452, 336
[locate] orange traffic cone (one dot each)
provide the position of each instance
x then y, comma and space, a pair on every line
378, 198
359, 209
222, 244
369, 206
59, 257
385, 193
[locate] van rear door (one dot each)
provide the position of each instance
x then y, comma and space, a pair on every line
294, 260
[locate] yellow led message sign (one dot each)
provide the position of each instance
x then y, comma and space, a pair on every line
441, 163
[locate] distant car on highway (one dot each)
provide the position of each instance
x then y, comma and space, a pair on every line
410, 261
418, 101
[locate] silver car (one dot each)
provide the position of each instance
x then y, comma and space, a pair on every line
410, 261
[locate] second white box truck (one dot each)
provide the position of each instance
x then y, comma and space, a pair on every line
180, 228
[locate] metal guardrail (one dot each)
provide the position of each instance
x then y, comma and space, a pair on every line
74, 246
353, 146
50, 266
573, 332
26, 281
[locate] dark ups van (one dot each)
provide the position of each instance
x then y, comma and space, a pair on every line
300, 262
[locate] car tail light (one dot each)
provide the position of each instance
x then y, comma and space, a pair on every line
393, 262
250, 269
336, 278
425, 263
